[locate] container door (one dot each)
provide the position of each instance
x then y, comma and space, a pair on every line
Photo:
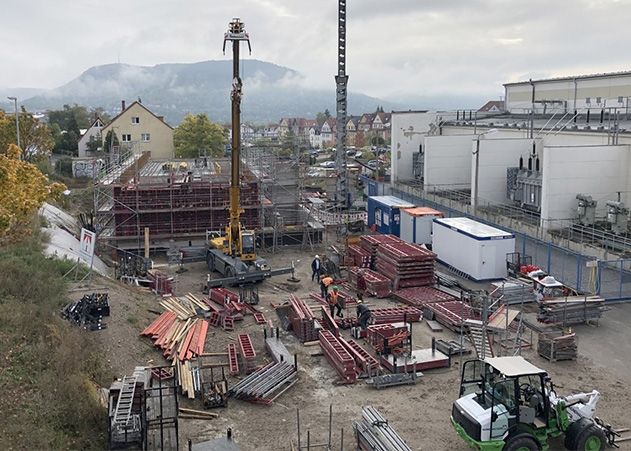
487, 268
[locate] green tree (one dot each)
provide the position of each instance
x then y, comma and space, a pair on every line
111, 140
197, 136
94, 143
69, 120
35, 138
321, 118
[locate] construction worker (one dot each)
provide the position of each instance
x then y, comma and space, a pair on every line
334, 302
316, 268
325, 282
363, 313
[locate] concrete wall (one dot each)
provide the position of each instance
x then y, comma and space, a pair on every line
407, 133
447, 162
496, 155
598, 171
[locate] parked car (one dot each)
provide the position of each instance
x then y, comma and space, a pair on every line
327, 164
373, 164
313, 173
358, 154
351, 153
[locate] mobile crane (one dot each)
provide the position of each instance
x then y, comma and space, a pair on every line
508, 404
232, 252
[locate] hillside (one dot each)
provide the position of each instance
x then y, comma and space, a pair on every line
172, 90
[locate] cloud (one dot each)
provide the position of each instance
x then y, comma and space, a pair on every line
395, 47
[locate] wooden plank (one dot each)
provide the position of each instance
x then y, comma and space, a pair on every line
198, 412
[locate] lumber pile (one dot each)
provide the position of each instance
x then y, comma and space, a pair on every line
571, 310
374, 433
376, 284
407, 265
184, 307
555, 347
338, 356
196, 414
179, 339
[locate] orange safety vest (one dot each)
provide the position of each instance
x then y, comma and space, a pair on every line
333, 298
327, 281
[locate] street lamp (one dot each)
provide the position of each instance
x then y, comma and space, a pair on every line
477, 167
17, 118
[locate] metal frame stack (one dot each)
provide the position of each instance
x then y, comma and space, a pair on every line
376, 284
338, 356
395, 315
375, 434
407, 265
364, 360
452, 314
420, 296
302, 320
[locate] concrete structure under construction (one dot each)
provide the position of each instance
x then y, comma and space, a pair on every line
183, 199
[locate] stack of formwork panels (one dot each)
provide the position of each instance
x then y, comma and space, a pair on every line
376, 284
338, 356
452, 314
371, 243
407, 265
359, 256
390, 335
395, 315
302, 320
420, 296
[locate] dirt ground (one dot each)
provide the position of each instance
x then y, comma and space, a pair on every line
419, 413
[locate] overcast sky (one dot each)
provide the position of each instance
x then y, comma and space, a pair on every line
395, 47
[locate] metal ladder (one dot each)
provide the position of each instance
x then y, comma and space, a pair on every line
122, 414
477, 336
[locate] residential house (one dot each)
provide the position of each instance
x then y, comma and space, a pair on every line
493, 106
247, 132
315, 137
365, 122
353, 136
139, 129
381, 125
92, 134
327, 132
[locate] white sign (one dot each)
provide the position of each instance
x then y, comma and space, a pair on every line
592, 263
86, 245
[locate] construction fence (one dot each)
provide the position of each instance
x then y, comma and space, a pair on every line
610, 279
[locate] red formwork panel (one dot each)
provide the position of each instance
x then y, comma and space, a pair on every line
246, 347
420, 296
338, 356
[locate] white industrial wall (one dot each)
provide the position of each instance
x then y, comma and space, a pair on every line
597, 171
447, 162
496, 155
407, 132
608, 89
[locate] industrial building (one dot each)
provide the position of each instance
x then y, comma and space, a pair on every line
563, 171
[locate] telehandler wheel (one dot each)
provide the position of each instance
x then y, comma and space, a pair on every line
574, 431
591, 438
521, 443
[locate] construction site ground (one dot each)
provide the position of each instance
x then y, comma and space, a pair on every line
419, 413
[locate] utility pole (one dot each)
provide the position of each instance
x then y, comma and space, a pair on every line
342, 198
236, 32
17, 119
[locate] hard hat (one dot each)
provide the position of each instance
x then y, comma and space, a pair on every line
335, 288
359, 301
317, 256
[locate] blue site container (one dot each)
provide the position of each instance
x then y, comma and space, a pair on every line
384, 213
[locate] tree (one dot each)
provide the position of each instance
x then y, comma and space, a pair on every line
111, 140
69, 120
321, 118
94, 143
35, 138
198, 136
23, 189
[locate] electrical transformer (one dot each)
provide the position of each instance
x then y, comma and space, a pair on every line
617, 216
523, 185
586, 210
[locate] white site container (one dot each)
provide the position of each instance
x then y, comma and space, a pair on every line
474, 248
416, 224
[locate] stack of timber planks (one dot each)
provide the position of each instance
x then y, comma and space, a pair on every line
571, 310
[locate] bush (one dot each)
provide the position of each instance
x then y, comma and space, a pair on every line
49, 369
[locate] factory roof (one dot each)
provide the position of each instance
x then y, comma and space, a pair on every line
574, 77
